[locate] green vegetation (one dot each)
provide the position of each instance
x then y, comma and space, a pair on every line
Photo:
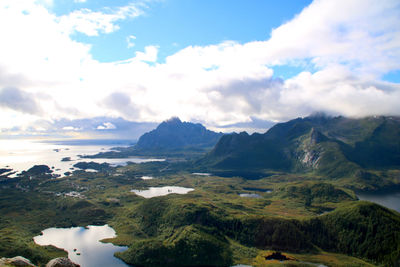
211, 226
351, 150
361, 229
303, 172
187, 246
25, 215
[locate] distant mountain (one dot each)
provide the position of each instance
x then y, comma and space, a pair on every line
171, 138
329, 146
173, 134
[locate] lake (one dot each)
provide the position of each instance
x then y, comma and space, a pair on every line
161, 191
389, 199
21, 155
83, 245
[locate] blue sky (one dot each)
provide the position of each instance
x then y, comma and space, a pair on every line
231, 65
175, 24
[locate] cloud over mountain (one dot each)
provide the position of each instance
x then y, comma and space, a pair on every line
341, 48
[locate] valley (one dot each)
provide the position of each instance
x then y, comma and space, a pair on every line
239, 206
195, 133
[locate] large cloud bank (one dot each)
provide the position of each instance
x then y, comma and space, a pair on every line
345, 48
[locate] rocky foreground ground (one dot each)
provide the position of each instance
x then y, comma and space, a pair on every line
21, 261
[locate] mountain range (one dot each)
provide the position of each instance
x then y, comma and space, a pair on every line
330, 146
364, 150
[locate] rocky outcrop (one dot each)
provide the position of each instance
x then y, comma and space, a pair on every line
16, 261
20, 261
61, 262
311, 158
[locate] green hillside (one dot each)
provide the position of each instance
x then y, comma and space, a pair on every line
332, 147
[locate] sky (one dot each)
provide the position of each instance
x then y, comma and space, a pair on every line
231, 65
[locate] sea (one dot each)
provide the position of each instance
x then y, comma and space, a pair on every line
59, 155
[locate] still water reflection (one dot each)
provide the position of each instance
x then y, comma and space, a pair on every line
83, 245
161, 191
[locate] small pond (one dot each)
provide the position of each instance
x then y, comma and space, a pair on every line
249, 175
264, 190
251, 195
254, 189
201, 173
146, 177
161, 191
83, 245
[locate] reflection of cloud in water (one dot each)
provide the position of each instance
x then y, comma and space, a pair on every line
86, 242
202, 173
161, 191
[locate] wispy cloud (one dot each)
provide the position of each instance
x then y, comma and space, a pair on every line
130, 40
92, 23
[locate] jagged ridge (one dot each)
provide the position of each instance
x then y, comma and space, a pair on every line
332, 146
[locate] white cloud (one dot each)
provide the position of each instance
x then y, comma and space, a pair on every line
149, 54
92, 23
360, 34
16, 99
121, 104
47, 3
71, 128
350, 45
336, 91
106, 126
80, 1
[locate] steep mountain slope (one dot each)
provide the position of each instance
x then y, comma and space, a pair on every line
381, 148
174, 134
330, 146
